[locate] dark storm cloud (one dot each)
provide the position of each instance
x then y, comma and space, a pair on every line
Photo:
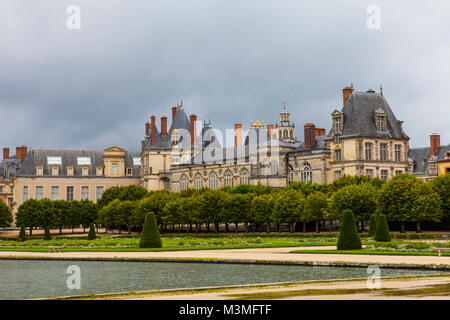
230, 61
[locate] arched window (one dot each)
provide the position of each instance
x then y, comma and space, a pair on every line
184, 183
306, 173
198, 181
243, 178
228, 178
291, 174
286, 133
213, 181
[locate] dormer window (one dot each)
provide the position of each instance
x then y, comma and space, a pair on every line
55, 170
85, 171
39, 171
175, 137
338, 122
70, 171
381, 120
99, 171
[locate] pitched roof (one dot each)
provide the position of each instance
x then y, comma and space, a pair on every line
70, 158
441, 152
359, 117
181, 120
420, 156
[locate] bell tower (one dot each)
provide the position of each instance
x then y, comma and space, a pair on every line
284, 129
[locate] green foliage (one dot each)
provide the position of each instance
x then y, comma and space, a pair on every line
128, 193
47, 235
316, 207
288, 206
382, 231
348, 237
22, 234
150, 237
92, 235
261, 208
88, 212
28, 214
6, 217
372, 225
441, 185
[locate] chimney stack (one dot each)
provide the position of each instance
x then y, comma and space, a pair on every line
310, 136
24, 154
370, 91
192, 122
164, 126
270, 127
346, 92
18, 152
320, 132
174, 113
435, 142
153, 127
237, 134
5, 153
147, 128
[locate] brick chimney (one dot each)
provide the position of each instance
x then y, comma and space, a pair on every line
192, 122
320, 132
5, 153
237, 134
310, 136
164, 126
153, 127
435, 142
147, 128
174, 112
346, 92
18, 152
24, 154
270, 127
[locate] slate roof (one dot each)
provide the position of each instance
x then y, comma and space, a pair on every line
359, 117
321, 144
37, 157
441, 152
181, 120
9, 167
420, 156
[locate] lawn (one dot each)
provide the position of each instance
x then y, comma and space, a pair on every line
170, 242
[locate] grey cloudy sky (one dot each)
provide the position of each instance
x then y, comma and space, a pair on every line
228, 60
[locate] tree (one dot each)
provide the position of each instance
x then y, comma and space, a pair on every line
287, 207
372, 225
210, 207
61, 213
261, 209
22, 234
427, 206
92, 235
441, 185
46, 214
382, 232
154, 202
125, 210
150, 237
108, 215
360, 198
74, 216
28, 215
88, 213
348, 237
108, 196
316, 208
47, 235
236, 209
6, 217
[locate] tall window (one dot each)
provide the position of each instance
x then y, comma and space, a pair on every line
114, 168
70, 171
99, 171
99, 193
55, 193
213, 181
369, 173
290, 174
39, 193
368, 148
381, 123
228, 179
69, 195
84, 193
306, 173
85, 171
183, 183
39, 171
286, 133
384, 175
337, 174
397, 172
55, 171
337, 155
337, 124
25, 193
243, 178
398, 152
198, 181
383, 152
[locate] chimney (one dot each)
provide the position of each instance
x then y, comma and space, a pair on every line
5, 153
346, 92
237, 134
192, 122
370, 91
147, 128
153, 127
24, 154
18, 152
310, 136
174, 113
320, 132
270, 127
435, 142
164, 126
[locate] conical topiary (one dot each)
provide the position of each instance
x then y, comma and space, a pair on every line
47, 235
91, 235
348, 237
22, 234
150, 237
382, 232
372, 226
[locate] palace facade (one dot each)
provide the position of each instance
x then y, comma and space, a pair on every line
365, 138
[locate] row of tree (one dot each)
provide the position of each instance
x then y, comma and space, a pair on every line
403, 199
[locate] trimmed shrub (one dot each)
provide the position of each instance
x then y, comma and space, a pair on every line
22, 234
382, 233
47, 235
91, 235
150, 237
348, 237
372, 226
